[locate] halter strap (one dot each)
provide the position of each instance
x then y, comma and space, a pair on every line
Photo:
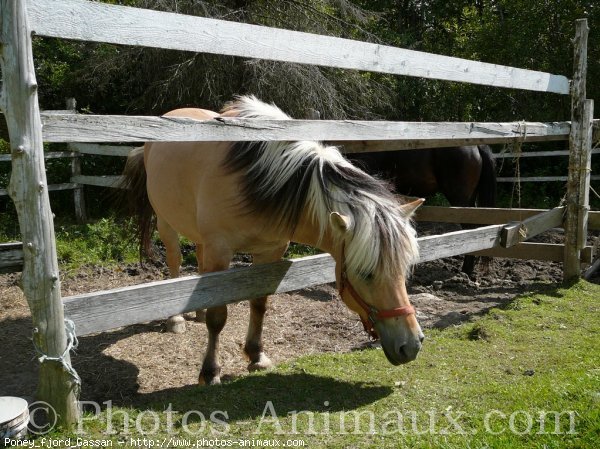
373, 314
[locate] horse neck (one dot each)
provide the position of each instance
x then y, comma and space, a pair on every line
308, 233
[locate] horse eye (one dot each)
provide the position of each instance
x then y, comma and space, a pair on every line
367, 277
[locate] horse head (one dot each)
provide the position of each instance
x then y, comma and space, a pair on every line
380, 300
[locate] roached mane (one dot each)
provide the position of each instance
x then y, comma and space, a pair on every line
281, 179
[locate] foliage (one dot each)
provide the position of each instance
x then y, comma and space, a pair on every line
529, 34
300, 250
138, 80
105, 242
519, 365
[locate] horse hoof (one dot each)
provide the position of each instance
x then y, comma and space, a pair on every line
263, 363
201, 316
176, 324
208, 379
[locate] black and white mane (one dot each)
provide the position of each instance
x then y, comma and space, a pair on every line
283, 179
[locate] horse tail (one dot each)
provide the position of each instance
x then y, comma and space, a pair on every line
134, 184
486, 188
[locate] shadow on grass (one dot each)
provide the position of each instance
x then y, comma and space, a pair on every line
246, 397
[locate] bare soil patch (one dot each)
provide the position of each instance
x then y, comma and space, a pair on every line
126, 364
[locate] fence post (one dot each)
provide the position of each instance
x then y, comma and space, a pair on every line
78, 195
580, 147
58, 382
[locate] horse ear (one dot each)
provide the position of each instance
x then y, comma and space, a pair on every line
410, 208
339, 222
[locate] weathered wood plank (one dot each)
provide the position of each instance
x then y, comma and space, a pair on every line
483, 215
102, 150
458, 242
11, 257
537, 154
551, 252
52, 155
580, 141
390, 145
585, 178
373, 146
473, 215
594, 220
98, 22
592, 269
540, 178
532, 226
51, 187
63, 186
110, 128
587, 254
99, 181
57, 385
96, 312
78, 193
596, 130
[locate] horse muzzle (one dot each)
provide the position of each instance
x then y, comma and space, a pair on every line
399, 347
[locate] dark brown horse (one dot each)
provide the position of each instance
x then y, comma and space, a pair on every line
466, 176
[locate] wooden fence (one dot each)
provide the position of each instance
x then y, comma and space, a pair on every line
11, 255
78, 181
98, 22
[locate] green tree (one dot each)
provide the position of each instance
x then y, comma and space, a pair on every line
118, 79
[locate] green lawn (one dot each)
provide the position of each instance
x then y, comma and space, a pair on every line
527, 377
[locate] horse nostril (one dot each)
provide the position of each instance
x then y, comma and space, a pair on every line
421, 338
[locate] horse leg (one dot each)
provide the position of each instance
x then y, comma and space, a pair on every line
210, 374
469, 261
461, 198
468, 266
254, 346
457, 172
170, 238
200, 313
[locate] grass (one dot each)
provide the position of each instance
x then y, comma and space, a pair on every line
106, 242
525, 377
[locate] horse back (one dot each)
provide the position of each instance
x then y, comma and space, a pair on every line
455, 172
190, 188
410, 171
185, 182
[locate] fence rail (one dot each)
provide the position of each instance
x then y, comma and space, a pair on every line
11, 257
100, 311
539, 178
106, 310
107, 128
59, 125
72, 19
503, 154
11, 254
77, 181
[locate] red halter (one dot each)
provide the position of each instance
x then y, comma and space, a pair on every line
373, 314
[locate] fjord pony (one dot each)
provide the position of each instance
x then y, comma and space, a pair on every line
255, 197
465, 175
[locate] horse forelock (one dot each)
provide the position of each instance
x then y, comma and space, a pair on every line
381, 240
284, 179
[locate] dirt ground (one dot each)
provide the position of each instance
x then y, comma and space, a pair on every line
128, 364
